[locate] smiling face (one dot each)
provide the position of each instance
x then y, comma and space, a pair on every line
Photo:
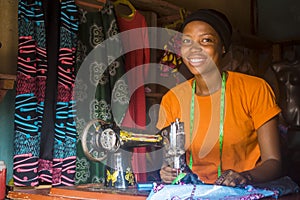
201, 48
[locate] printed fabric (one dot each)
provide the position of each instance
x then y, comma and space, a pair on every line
207, 192
275, 189
101, 92
45, 130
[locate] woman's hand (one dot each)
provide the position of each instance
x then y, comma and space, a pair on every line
232, 178
167, 174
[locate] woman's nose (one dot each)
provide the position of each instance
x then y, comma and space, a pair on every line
196, 46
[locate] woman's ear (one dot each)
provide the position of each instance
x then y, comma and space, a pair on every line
223, 50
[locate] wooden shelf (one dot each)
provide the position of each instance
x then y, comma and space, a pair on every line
7, 82
166, 12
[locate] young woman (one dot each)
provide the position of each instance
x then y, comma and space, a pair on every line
229, 118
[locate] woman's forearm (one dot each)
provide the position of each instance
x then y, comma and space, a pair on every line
267, 171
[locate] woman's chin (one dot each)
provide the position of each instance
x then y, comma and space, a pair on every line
197, 69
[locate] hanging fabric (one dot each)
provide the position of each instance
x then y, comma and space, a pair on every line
98, 28
171, 58
136, 115
171, 66
45, 131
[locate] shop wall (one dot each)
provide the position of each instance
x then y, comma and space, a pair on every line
8, 36
7, 130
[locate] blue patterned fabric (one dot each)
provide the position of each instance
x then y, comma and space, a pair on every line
277, 188
207, 192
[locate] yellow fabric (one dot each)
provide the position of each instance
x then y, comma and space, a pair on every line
249, 103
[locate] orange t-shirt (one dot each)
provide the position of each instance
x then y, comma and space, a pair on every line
249, 103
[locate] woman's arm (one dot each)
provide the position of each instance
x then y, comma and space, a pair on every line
271, 164
269, 143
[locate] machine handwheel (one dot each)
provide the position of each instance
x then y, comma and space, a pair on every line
91, 141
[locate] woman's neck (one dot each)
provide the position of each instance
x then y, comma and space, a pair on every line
209, 83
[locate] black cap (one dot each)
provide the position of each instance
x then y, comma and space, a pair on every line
216, 19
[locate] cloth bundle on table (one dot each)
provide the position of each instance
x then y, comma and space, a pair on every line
275, 189
208, 192
281, 186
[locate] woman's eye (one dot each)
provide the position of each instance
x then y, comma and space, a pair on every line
206, 40
186, 41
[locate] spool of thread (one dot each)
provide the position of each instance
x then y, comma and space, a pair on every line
2, 180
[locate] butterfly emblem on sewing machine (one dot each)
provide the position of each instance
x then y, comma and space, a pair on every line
112, 177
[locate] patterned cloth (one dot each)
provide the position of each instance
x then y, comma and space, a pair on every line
99, 71
277, 188
281, 186
171, 59
45, 131
207, 192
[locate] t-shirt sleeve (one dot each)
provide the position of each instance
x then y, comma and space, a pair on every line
167, 111
263, 104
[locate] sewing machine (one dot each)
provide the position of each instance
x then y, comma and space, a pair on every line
113, 145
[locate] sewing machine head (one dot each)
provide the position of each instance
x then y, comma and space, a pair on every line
108, 143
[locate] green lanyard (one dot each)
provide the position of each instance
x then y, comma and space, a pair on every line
221, 133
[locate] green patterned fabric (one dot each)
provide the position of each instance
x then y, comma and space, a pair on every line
94, 29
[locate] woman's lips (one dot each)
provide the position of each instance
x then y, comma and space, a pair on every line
195, 61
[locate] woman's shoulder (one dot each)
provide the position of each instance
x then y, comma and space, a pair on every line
182, 87
247, 85
241, 78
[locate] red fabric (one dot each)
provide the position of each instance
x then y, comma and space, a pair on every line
136, 68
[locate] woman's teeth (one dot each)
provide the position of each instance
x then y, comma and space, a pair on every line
196, 59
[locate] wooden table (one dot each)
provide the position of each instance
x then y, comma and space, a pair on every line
87, 191
92, 191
